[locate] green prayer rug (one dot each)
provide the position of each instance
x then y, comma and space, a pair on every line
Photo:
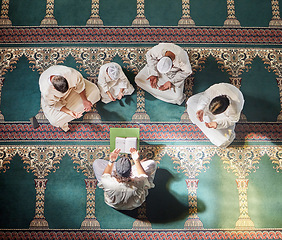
47, 183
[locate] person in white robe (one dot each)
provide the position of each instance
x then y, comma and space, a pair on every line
62, 105
164, 74
125, 186
218, 127
113, 83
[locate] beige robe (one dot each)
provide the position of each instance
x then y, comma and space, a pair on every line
180, 70
120, 195
52, 100
224, 134
105, 83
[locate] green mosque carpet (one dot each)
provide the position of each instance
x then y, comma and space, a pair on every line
47, 184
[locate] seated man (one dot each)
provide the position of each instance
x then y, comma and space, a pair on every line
163, 76
65, 95
216, 112
113, 83
125, 186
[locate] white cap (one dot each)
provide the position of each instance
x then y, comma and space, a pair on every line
164, 64
113, 71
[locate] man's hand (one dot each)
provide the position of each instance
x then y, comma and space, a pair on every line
120, 95
111, 96
113, 157
136, 158
134, 154
87, 105
211, 125
114, 154
153, 81
200, 115
166, 86
75, 114
72, 113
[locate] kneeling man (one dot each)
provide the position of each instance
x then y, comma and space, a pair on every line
65, 95
216, 111
163, 76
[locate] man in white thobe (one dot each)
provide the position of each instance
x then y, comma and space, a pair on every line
163, 76
219, 128
125, 186
65, 95
113, 83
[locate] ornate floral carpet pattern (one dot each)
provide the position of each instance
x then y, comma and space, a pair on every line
48, 188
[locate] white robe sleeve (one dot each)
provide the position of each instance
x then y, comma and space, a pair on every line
56, 103
184, 68
123, 80
232, 116
102, 79
203, 102
79, 86
152, 56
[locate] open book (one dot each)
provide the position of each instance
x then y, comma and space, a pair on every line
126, 143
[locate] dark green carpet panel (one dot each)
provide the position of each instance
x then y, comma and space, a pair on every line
48, 189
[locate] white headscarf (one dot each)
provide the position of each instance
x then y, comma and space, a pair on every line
164, 64
114, 72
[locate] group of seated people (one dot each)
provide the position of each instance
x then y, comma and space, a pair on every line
65, 95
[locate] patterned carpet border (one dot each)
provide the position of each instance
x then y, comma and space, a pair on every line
161, 132
139, 35
142, 234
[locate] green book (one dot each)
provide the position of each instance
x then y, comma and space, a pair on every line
125, 138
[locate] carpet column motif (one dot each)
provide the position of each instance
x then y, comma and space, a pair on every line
83, 158
236, 81
272, 58
41, 160
244, 220
1, 85
276, 20
142, 222
140, 114
140, 19
4, 19
49, 19
192, 160
90, 221
231, 20
275, 154
95, 18
234, 62
188, 88
39, 221
241, 160
193, 221
186, 19
6, 155
279, 82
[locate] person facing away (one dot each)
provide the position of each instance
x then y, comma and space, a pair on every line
125, 186
216, 111
164, 74
65, 95
113, 83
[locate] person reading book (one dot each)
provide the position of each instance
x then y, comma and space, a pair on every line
125, 186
